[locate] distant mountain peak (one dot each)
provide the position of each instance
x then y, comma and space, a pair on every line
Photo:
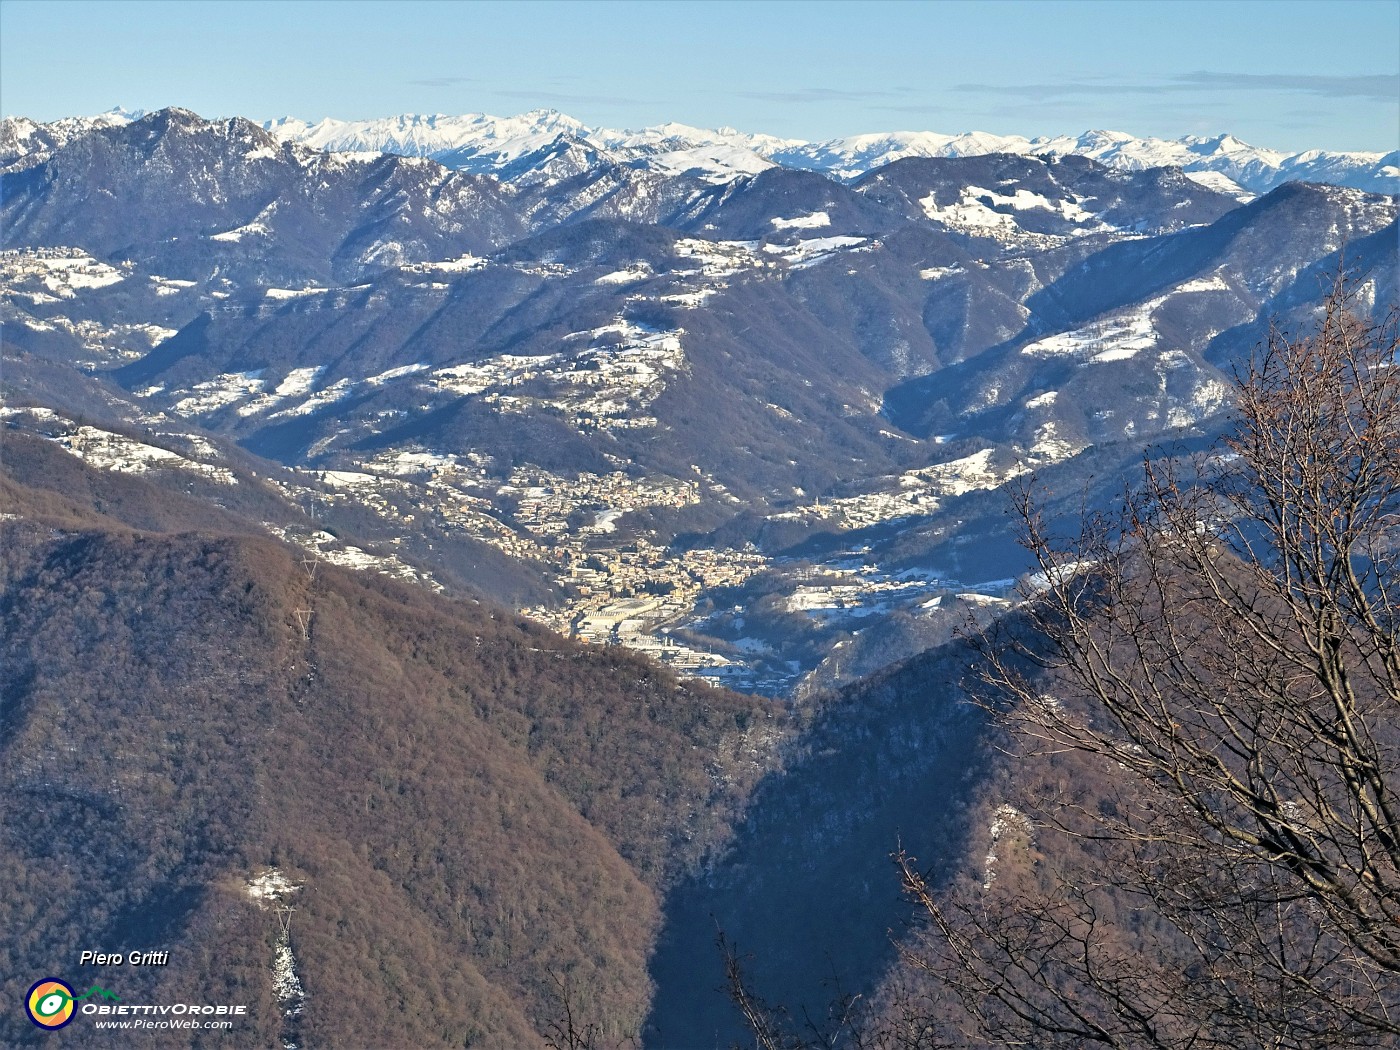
482, 143
487, 144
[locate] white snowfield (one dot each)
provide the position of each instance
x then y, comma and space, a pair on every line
716, 163
396, 373
937, 273
1112, 339
815, 221
252, 229
968, 473
293, 293
809, 252
299, 381
1119, 336
978, 207
461, 264
631, 275
170, 286
1222, 183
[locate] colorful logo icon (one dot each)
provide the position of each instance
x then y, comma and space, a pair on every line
50, 1003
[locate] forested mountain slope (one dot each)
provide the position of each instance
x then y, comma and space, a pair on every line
466, 804
808, 894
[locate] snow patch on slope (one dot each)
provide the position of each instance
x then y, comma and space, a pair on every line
220, 392
815, 221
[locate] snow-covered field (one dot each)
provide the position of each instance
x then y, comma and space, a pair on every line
1111, 339
814, 250
106, 450
51, 274
984, 210
815, 221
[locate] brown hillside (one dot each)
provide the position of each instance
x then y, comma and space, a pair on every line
471, 806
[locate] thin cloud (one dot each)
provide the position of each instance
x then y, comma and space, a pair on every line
442, 82
1382, 87
569, 98
806, 95
911, 108
1032, 114
1379, 87
1061, 89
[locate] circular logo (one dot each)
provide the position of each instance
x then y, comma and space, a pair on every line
50, 1003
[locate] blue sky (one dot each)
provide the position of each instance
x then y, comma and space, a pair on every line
1291, 75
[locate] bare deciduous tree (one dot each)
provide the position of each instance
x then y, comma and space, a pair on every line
1203, 707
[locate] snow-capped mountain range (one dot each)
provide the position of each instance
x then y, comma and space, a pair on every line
483, 143
545, 145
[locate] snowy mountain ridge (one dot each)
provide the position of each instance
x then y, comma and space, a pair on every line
544, 144
25, 142
478, 141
